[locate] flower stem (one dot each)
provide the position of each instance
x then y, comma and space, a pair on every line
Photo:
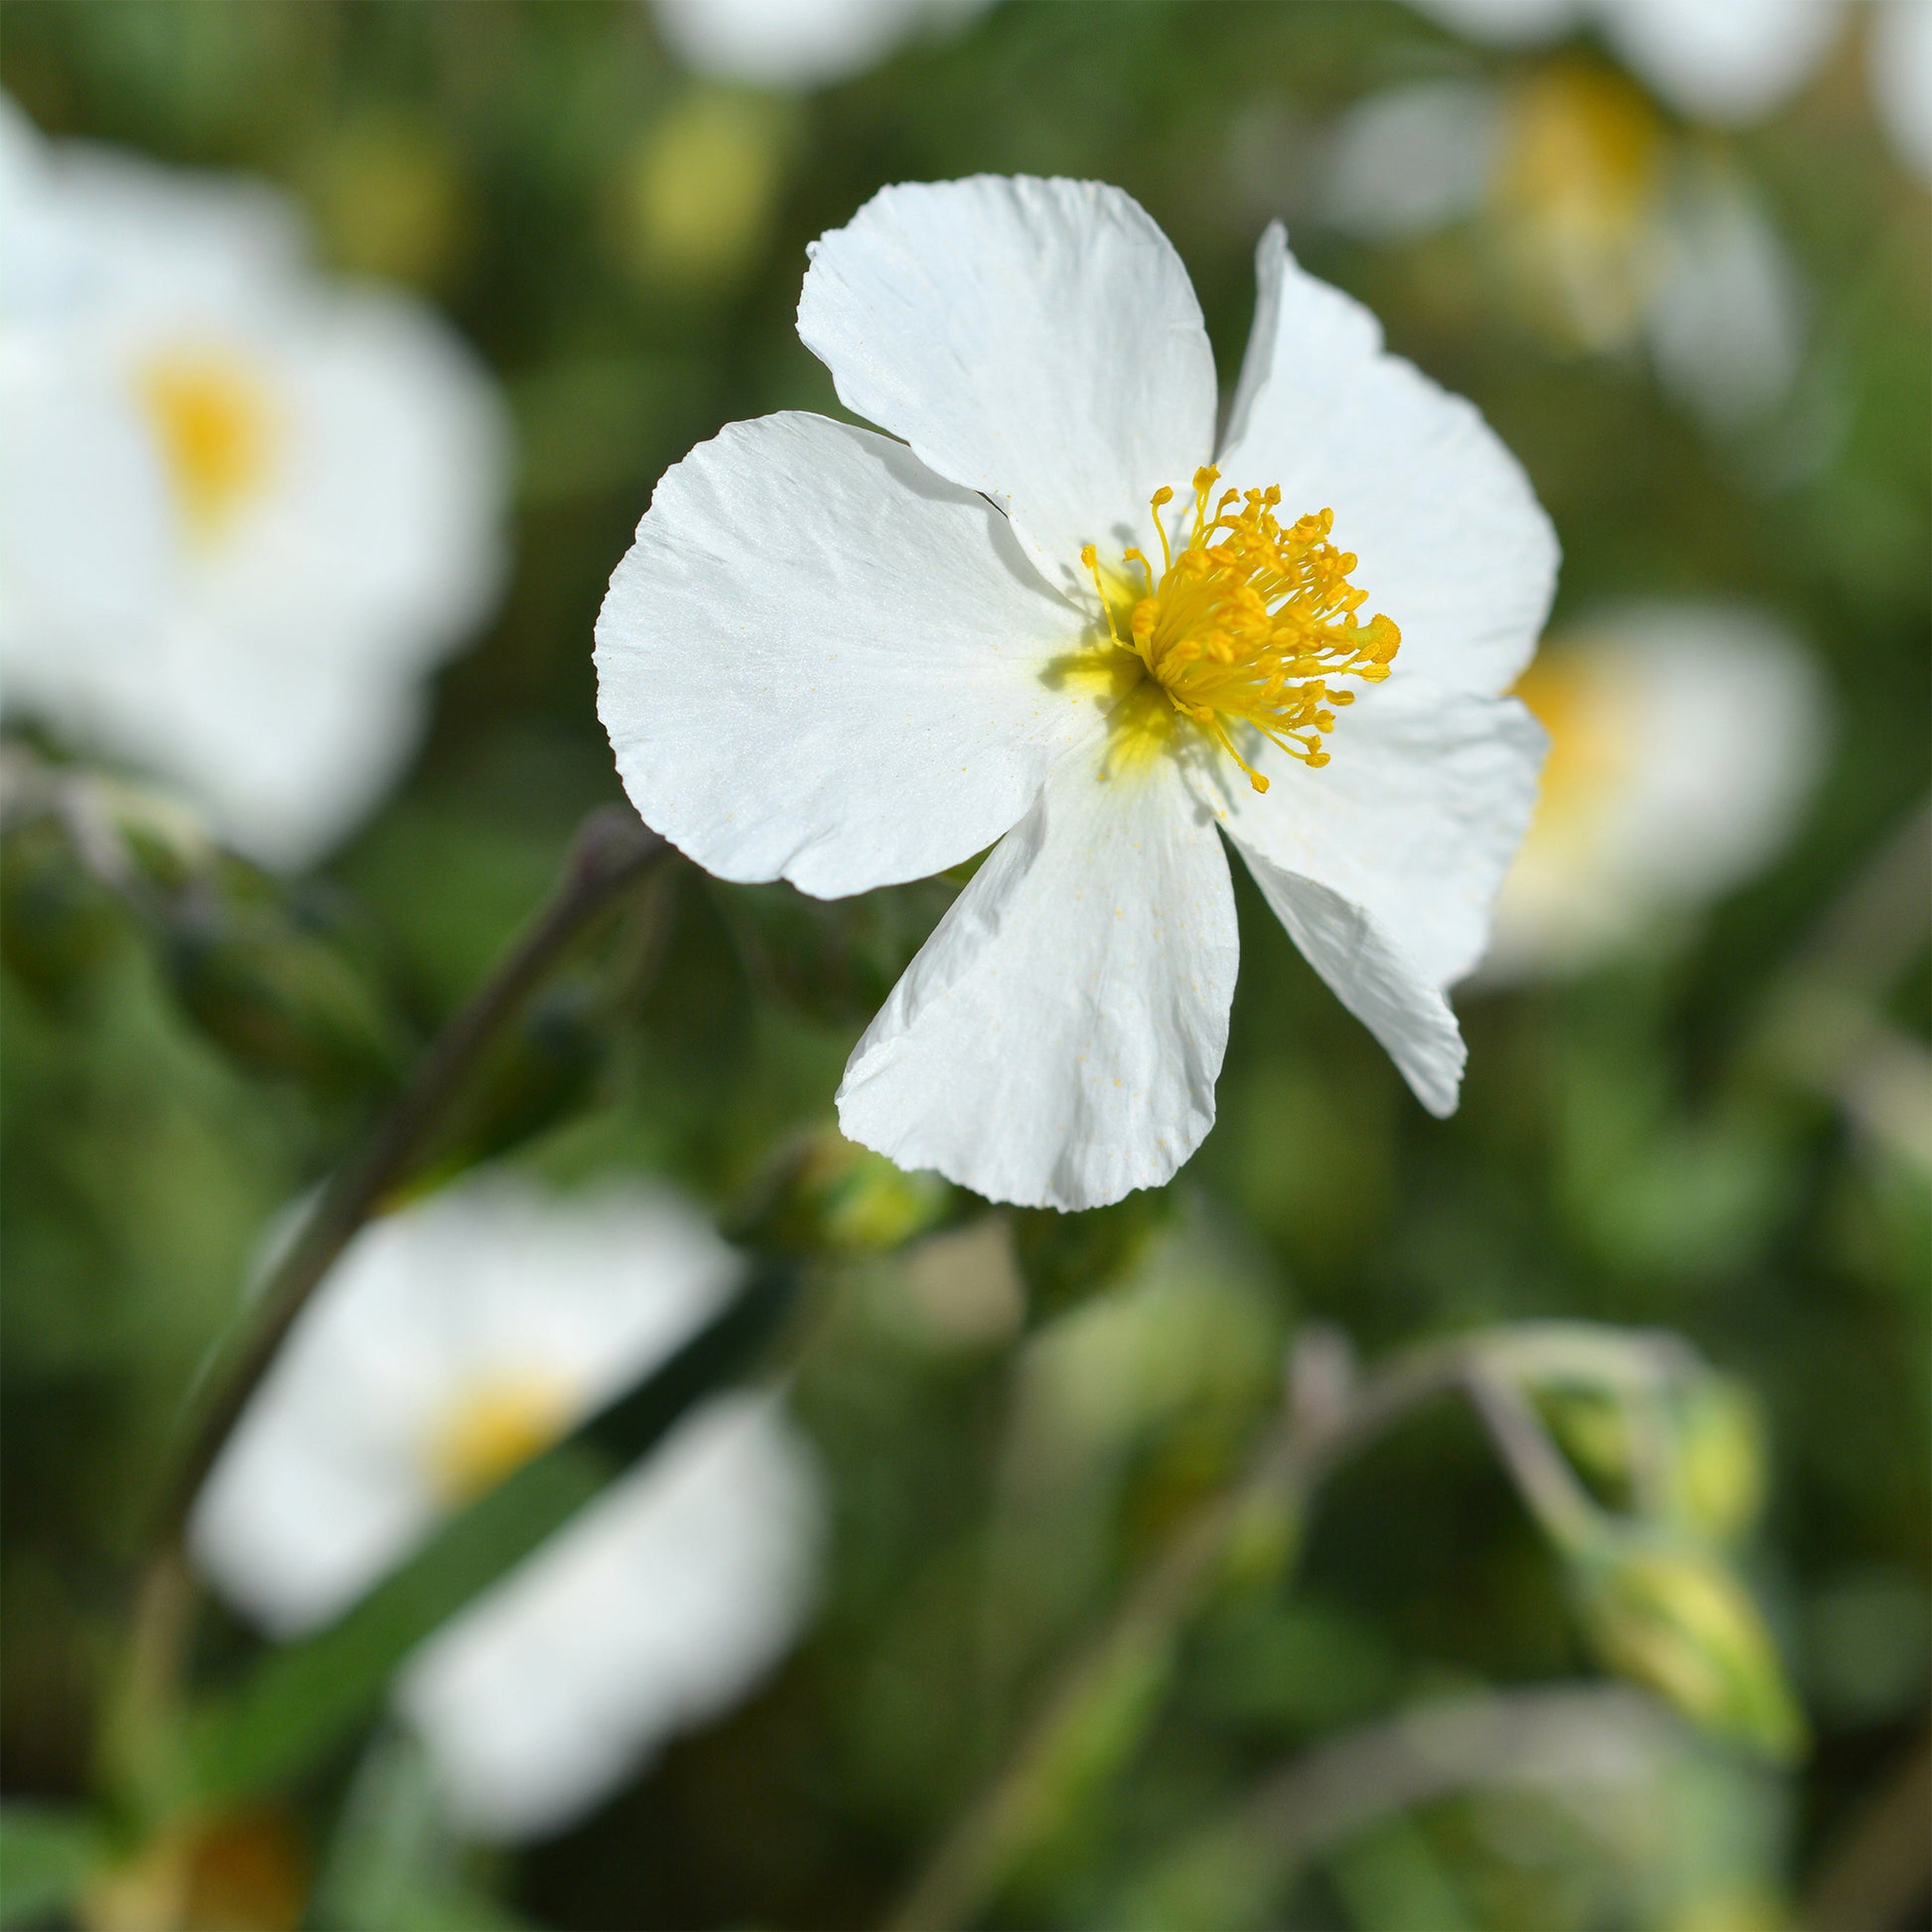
611, 852
1120, 1669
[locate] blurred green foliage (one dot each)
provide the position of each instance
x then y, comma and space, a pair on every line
1641, 1147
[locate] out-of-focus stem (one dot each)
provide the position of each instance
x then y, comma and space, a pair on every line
612, 851
1126, 1659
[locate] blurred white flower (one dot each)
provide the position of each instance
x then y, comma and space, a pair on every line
242, 509
846, 661
1605, 229
455, 1340
1733, 60
1900, 55
1714, 59
1685, 741
800, 43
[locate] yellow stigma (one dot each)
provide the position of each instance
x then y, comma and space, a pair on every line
493, 1428
1248, 622
215, 422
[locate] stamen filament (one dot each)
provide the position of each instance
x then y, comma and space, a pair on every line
1251, 621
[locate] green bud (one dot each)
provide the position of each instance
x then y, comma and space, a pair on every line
826, 1196
1064, 1258
1676, 1617
57, 918
276, 995
1719, 1470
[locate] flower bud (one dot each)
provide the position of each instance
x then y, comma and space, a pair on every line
824, 1194
57, 918
277, 996
1719, 1470
1676, 1617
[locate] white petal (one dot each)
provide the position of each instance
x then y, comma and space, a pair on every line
1411, 159
660, 1607
1508, 22
1688, 739
1035, 340
821, 663
1056, 1042
1722, 60
1385, 991
1415, 818
1727, 322
1452, 543
798, 43
328, 1482
1901, 54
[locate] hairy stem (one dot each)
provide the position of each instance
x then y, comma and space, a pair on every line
611, 852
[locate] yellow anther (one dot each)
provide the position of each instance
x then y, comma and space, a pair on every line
1251, 621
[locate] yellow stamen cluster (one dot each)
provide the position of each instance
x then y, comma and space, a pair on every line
1250, 622
492, 1431
216, 426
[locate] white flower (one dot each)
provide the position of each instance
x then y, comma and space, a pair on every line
1901, 54
799, 44
1733, 60
1715, 59
241, 510
1684, 742
846, 661
453, 1340
1605, 230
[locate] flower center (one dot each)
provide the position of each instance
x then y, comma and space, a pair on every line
1577, 188
492, 1429
1595, 719
1248, 622
214, 421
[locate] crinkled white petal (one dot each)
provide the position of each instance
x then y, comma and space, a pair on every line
1508, 22
1369, 974
1722, 60
1412, 160
1726, 323
1700, 731
798, 43
1056, 1042
1452, 541
1414, 819
820, 661
660, 1605
328, 1481
1035, 340
271, 664
1899, 50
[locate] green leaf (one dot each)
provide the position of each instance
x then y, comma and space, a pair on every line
304, 1702
392, 1865
46, 1855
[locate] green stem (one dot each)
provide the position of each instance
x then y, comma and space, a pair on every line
1122, 1665
612, 851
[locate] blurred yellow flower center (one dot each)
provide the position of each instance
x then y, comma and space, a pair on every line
1592, 740
1248, 622
215, 425
1582, 170
494, 1427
